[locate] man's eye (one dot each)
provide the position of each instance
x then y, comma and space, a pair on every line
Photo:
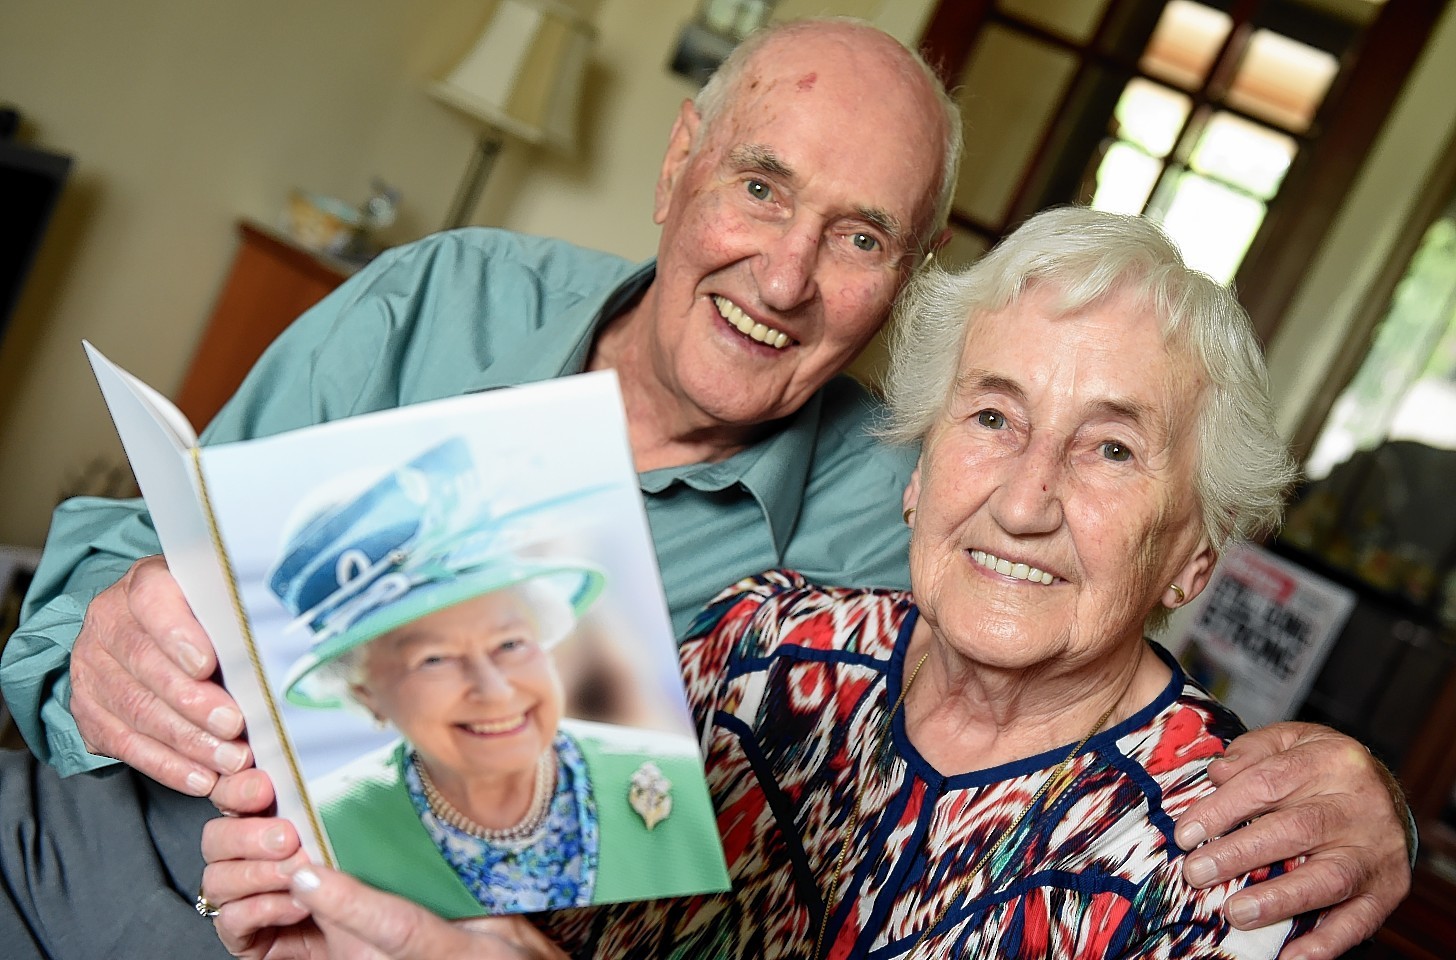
992, 419
864, 241
759, 190
1113, 450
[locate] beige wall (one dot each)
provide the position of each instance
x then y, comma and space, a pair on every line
184, 116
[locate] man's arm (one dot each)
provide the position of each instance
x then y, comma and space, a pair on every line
1316, 794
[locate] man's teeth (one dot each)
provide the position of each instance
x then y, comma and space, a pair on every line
748, 326
496, 726
1016, 571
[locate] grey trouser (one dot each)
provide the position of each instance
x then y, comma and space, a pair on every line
98, 865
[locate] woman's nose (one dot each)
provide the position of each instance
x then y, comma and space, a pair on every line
787, 265
488, 681
1028, 499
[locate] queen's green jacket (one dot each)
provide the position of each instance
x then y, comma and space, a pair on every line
377, 836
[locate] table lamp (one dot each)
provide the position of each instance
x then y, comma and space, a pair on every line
522, 77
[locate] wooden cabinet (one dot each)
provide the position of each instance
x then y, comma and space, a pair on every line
272, 281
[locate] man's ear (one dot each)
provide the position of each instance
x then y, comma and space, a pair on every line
911, 496
938, 244
1194, 575
679, 147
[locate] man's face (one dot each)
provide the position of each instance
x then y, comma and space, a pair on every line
791, 227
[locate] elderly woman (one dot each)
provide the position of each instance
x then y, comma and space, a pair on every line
990, 764
491, 801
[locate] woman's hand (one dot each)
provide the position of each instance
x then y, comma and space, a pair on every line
274, 905
361, 923
250, 861
1317, 794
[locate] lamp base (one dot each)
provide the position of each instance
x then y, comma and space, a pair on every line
468, 194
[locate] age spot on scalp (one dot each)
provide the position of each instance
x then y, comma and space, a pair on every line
806, 82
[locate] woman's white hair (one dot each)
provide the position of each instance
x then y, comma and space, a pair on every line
1243, 467
713, 99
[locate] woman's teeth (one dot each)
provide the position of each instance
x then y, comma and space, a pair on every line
749, 327
1016, 571
496, 726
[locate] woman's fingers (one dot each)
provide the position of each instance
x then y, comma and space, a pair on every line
249, 838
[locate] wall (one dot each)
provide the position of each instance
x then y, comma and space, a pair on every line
184, 116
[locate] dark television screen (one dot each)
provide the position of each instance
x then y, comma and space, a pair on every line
30, 184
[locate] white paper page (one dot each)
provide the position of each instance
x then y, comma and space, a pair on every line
158, 443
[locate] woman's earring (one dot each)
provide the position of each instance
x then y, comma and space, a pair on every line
1179, 591
909, 512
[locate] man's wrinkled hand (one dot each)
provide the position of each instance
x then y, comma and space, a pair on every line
1316, 794
140, 685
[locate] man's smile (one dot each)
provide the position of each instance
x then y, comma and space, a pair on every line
749, 327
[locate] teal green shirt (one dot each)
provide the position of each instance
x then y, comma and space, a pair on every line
473, 310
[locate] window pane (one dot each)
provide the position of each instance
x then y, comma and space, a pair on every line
1150, 115
1244, 154
1074, 20
1009, 92
1184, 43
1125, 179
1212, 224
1282, 80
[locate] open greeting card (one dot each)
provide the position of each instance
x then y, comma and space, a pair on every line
445, 627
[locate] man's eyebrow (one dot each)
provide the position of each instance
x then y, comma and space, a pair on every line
882, 219
759, 157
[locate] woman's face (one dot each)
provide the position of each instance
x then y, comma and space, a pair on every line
469, 686
1055, 499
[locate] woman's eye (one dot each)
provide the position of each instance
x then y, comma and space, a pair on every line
863, 241
1113, 450
991, 419
759, 190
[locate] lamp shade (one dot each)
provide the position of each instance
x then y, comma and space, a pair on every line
524, 73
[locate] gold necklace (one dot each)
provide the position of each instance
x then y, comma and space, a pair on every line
981, 861
527, 831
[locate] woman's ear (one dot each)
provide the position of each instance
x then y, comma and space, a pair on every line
1193, 576
911, 496
679, 148
365, 699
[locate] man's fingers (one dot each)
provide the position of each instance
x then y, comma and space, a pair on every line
1252, 791
109, 737
1351, 922
243, 794
1281, 835
248, 838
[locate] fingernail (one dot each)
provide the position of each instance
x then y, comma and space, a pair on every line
1200, 870
305, 880
1189, 835
274, 839
1244, 913
230, 757
192, 660
225, 722
199, 783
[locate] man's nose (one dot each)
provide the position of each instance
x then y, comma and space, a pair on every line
1028, 499
786, 268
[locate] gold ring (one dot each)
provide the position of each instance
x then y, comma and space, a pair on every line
204, 906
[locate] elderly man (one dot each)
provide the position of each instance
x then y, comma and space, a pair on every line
796, 197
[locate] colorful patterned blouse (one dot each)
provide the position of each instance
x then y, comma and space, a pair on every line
793, 682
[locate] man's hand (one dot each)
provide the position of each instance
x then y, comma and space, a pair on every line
1316, 794
140, 687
